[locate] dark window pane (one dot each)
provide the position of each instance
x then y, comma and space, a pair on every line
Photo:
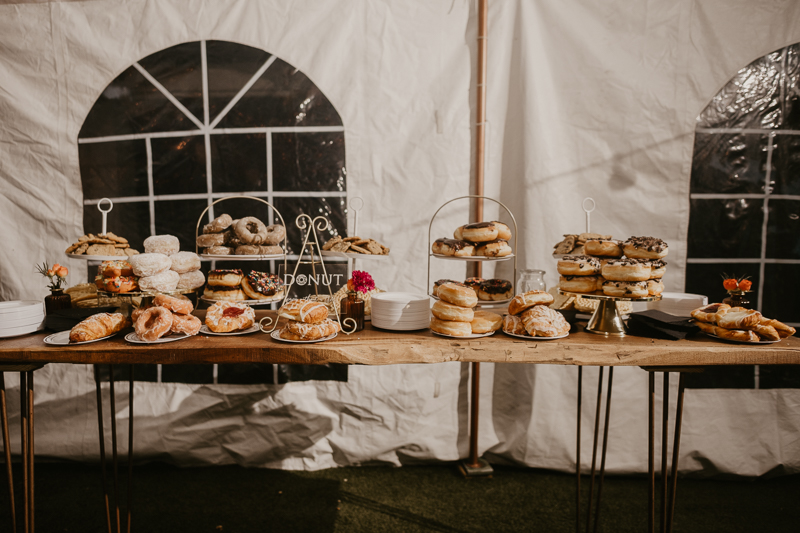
707, 279
129, 220
113, 169
729, 164
722, 377
239, 162
779, 376
187, 374
179, 218
230, 67
331, 208
308, 161
245, 374
781, 292
725, 228
131, 104
179, 70
282, 96
122, 372
179, 165
785, 176
783, 231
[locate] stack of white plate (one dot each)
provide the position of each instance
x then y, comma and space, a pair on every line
401, 311
19, 317
679, 303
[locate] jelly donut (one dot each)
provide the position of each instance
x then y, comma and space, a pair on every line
251, 230
166, 281
657, 268
494, 290
219, 224
112, 269
307, 311
226, 278
513, 324
445, 311
153, 323
224, 317
479, 232
485, 322
224, 293
457, 295
120, 284
626, 270
578, 265
439, 283
523, 301
191, 280
503, 231
209, 240
149, 264
300, 331
625, 289
453, 247
603, 247
645, 248
182, 306
161, 244
262, 286
185, 324
183, 262
580, 284
495, 248
453, 329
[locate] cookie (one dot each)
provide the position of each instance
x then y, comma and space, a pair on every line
116, 238
130, 251
340, 247
81, 249
100, 249
351, 239
360, 250
374, 247
332, 242
72, 248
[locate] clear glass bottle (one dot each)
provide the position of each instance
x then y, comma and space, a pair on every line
531, 280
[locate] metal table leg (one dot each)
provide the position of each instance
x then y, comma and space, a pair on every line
7, 449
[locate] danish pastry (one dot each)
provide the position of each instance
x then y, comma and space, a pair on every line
224, 317
513, 324
300, 331
523, 301
307, 311
739, 318
542, 321
708, 313
782, 329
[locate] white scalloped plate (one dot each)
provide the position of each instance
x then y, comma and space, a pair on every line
219, 257
62, 339
276, 335
473, 336
99, 257
134, 338
734, 341
252, 329
473, 257
529, 338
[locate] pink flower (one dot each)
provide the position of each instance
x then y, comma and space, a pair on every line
360, 282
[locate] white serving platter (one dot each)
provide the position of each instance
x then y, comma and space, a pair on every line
276, 335
346, 255
473, 258
220, 257
473, 336
529, 338
252, 329
62, 339
172, 337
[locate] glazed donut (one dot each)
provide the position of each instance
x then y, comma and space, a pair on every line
251, 230
654, 287
149, 264
627, 270
495, 248
224, 293
219, 224
153, 323
485, 321
645, 248
185, 324
230, 238
453, 247
625, 289
657, 268
513, 324
495, 290
709, 313
181, 306
457, 295
453, 329
191, 280
479, 232
138, 311
523, 301
120, 284
503, 231
252, 249
445, 311
164, 282
275, 234
112, 269
578, 265
300, 331
439, 283
603, 247
225, 278
542, 321
580, 284
162, 244
307, 311
218, 250
224, 317
183, 262
262, 286
209, 240
474, 283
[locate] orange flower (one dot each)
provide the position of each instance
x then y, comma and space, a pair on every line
745, 284
62, 271
730, 284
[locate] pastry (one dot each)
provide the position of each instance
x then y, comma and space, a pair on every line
262, 286
149, 264
542, 321
98, 326
578, 265
495, 248
224, 317
454, 329
183, 262
161, 244
566, 246
523, 301
626, 270
457, 295
479, 232
513, 324
782, 329
307, 311
708, 313
452, 247
645, 248
163, 282
485, 322
739, 318
153, 323
494, 290
181, 306
300, 331
446, 311
219, 224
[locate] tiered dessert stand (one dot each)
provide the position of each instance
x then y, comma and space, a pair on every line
352, 257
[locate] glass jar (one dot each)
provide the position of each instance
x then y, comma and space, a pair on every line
531, 280
352, 307
57, 299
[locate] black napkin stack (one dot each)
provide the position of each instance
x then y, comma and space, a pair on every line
660, 325
66, 319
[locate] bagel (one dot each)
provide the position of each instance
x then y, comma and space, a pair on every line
578, 265
453, 247
626, 270
603, 247
457, 295
708, 313
523, 301
580, 284
485, 322
453, 329
645, 248
454, 313
479, 232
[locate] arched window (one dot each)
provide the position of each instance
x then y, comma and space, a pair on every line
200, 121
745, 197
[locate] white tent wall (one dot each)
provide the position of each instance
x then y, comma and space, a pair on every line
584, 99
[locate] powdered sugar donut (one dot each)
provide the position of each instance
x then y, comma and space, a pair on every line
183, 262
149, 264
161, 244
163, 282
191, 280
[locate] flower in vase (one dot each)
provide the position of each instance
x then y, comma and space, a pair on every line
736, 285
360, 282
57, 274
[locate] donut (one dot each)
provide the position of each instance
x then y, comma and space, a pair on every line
253, 249
307, 311
191, 280
654, 287
99, 282
458, 233
162, 244
495, 290
219, 224
275, 234
580, 284
453, 247
523, 301
439, 283
457, 295
224, 293
262, 286
112, 269
181, 306
542, 321
183, 262
153, 323
230, 238
513, 324
657, 269
209, 240
138, 311
224, 317
149, 264
166, 281
503, 231
120, 284
479, 232
626, 270
185, 324
218, 250
485, 321
625, 289
603, 247
474, 283
578, 265
645, 248
708, 313
300, 331
225, 278
495, 248
453, 329
445, 311
251, 230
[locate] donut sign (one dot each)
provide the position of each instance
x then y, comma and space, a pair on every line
318, 279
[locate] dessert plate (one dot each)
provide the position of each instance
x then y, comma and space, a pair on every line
276, 335
134, 338
252, 329
346, 255
734, 341
473, 257
62, 339
473, 336
219, 257
248, 302
529, 338
99, 257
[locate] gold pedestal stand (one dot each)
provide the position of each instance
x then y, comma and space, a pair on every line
606, 319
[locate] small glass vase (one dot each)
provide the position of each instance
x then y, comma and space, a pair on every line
352, 307
737, 300
531, 280
57, 300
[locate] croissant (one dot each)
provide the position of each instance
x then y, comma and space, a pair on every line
98, 326
782, 329
739, 318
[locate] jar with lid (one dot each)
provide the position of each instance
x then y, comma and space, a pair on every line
531, 280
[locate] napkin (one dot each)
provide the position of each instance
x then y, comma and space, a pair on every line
660, 325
